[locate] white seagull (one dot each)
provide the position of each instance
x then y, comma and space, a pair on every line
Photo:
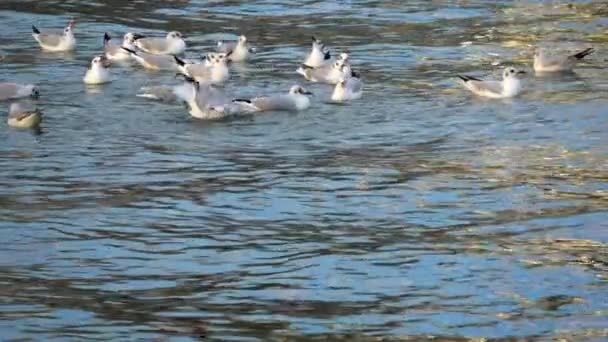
54, 41
544, 62
14, 91
510, 85
318, 56
239, 51
172, 44
152, 61
114, 52
349, 87
296, 100
330, 74
98, 73
20, 118
213, 70
205, 101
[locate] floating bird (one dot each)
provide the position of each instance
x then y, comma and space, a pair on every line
329, 74
296, 100
543, 62
54, 41
318, 56
114, 52
15, 91
98, 73
510, 85
214, 70
205, 101
349, 87
20, 118
152, 61
172, 44
239, 51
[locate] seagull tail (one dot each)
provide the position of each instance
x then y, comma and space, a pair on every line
583, 53
132, 52
35, 30
466, 78
106, 38
179, 61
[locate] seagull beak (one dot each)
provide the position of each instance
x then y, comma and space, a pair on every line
306, 92
521, 72
137, 36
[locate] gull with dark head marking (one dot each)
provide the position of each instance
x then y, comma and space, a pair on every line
349, 87
14, 91
114, 52
318, 55
213, 70
239, 51
20, 118
329, 74
98, 73
55, 41
545, 62
152, 61
172, 44
297, 99
510, 85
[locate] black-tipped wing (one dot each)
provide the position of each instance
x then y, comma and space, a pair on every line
583, 54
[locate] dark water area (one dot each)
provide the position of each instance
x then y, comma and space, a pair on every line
418, 212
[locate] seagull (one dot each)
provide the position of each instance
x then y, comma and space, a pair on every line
214, 70
172, 44
114, 52
349, 87
14, 91
20, 118
510, 85
152, 61
98, 73
318, 56
330, 74
205, 101
56, 42
544, 62
239, 51
296, 100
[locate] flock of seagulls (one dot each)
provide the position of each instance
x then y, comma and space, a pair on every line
204, 79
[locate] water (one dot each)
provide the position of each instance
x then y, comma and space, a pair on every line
418, 212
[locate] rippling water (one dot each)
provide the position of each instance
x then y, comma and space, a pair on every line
418, 212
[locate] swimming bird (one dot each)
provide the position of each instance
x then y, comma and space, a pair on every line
97, 72
318, 55
20, 118
510, 85
114, 52
543, 62
172, 44
349, 87
330, 74
14, 91
296, 100
152, 61
54, 41
239, 51
205, 101
213, 70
